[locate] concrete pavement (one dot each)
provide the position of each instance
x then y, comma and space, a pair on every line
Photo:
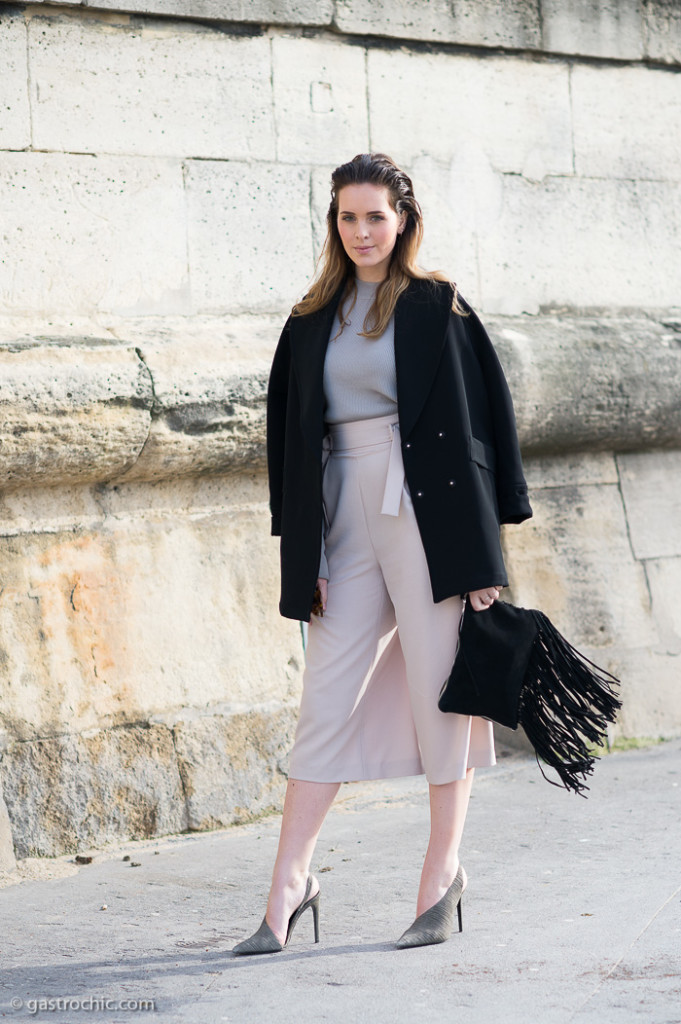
571, 916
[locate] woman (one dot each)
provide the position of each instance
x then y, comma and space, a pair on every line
393, 458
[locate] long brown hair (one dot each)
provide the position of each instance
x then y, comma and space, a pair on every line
335, 266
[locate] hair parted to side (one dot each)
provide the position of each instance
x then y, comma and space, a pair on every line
335, 266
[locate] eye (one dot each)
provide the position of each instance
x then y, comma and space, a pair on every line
378, 216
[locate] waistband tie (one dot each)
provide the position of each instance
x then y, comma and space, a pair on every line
394, 481
354, 436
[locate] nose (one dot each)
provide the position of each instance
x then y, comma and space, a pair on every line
362, 229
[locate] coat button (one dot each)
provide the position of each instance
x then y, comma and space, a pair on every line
419, 494
408, 444
452, 483
442, 434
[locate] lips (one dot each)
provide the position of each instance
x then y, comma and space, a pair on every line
363, 249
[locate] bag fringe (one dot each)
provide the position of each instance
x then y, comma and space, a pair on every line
565, 704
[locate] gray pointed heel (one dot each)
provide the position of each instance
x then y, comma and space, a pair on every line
265, 941
436, 923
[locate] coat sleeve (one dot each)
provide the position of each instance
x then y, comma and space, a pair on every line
514, 504
277, 402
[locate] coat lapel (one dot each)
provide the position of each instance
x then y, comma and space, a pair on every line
421, 318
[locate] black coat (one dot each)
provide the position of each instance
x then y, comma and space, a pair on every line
459, 444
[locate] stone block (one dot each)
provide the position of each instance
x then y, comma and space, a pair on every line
15, 118
458, 199
482, 23
627, 122
593, 28
275, 12
75, 792
7, 859
652, 498
250, 244
582, 243
573, 560
570, 470
663, 580
71, 413
319, 100
210, 381
159, 88
513, 113
662, 20
86, 233
161, 604
515, 24
233, 767
591, 383
320, 197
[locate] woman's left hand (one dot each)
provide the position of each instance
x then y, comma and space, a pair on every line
483, 599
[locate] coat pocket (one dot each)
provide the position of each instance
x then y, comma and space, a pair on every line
483, 454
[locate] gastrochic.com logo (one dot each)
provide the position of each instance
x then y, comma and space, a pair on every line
88, 1004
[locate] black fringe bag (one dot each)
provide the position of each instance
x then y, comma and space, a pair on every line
514, 667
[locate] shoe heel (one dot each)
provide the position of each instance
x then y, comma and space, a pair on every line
458, 913
315, 916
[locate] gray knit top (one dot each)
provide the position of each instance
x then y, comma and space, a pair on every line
359, 373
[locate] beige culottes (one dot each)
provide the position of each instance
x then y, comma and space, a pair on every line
376, 661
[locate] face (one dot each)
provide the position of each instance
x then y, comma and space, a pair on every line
368, 227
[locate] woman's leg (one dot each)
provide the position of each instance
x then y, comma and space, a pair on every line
305, 808
448, 807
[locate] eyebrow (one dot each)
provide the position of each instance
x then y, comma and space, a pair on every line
369, 214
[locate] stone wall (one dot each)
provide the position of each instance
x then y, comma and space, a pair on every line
163, 180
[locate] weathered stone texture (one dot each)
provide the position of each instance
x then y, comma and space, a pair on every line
573, 560
663, 30
602, 28
200, 771
663, 579
157, 606
84, 233
571, 470
585, 383
582, 241
275, 12
515, 112
7, 859
651, 486
320, 100
15, 120
514, 23
597, 28
78, 791
71, 413
156, 89
250, 244
233, 767
210, 380
606, 102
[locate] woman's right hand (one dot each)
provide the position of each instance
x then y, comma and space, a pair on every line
323, 590
483, 599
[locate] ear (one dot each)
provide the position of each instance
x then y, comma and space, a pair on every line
402, 223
